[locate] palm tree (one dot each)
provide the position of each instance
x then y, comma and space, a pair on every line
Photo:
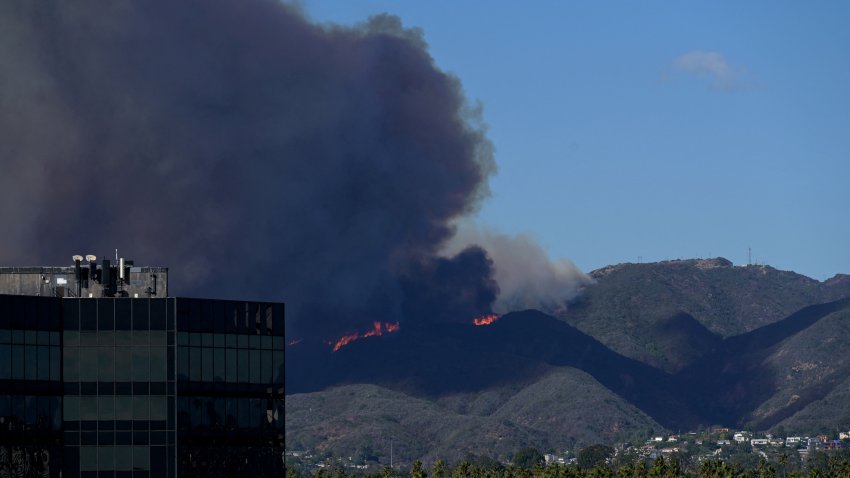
625, 471
783, 461
764, 470
462, 470
709, 469
439, 470
417, 471
659, 468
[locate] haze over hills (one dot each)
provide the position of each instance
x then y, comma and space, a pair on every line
675, 345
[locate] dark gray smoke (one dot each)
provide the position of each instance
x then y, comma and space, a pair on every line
456, 289
256, 154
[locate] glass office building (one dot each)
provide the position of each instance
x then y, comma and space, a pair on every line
140, 387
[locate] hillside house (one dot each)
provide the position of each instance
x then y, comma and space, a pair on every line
833, 445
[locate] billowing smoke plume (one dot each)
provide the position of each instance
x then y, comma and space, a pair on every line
455, 289
527, 278
256, 154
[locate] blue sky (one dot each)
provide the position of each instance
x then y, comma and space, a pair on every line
658, 130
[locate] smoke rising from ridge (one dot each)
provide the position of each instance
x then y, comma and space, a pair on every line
527, 277
254, 153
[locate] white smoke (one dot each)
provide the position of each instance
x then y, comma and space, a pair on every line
527, 277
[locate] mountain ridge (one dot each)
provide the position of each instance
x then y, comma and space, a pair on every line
627, 301
784, 372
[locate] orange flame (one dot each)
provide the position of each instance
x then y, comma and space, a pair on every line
378, 328
344, 340
485, 319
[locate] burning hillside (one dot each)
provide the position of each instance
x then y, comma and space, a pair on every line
326, 167
378, 329
485, 319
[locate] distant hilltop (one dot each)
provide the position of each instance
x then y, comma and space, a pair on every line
699, 263
669, 313
710, 263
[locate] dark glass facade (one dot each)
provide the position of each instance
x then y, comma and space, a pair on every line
31, 442
141, 387
229, 388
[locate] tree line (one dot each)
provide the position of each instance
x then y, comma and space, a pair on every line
823, 467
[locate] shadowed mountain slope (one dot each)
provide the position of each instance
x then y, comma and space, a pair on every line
822, 413
515, 350
565, 408
765, 375
810, 371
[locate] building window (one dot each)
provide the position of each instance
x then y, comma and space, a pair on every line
88, 458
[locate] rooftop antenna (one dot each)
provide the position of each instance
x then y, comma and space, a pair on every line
749, 256
78, 273
121, 272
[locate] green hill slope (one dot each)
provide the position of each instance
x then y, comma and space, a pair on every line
563, 409
828, 414
810, 374
668, 314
